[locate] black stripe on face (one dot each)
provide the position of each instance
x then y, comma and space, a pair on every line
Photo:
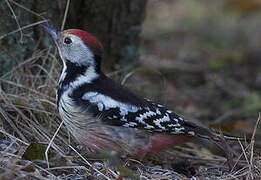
72, 71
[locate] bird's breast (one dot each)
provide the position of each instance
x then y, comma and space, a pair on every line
76, 117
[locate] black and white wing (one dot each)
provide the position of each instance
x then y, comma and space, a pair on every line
117, 106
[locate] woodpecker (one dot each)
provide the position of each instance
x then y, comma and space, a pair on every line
106, 116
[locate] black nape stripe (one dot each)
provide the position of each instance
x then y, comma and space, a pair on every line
72, 71
97, 60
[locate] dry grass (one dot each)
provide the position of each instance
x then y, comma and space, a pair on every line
28, 114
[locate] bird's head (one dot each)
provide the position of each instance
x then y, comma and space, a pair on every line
76, 46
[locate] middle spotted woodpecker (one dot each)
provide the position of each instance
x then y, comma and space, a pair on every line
102, 114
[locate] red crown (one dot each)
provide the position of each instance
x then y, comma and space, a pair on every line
93, 43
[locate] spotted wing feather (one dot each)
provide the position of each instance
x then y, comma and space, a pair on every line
123, 108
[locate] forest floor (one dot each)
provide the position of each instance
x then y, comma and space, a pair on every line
198, 59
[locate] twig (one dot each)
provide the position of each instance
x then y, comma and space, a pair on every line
16, 20
87, 162
68, 167
22, 28
230, 154
244, 151
50, 143
127, 76
24, 87
56, 132
252, 145
62, 27
13, 137
65, 14
22, 64
7, 118
25, 8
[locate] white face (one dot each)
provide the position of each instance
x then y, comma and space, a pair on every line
72, 48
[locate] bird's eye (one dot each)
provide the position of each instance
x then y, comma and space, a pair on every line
67, 40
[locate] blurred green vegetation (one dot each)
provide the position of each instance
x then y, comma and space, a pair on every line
214, 45
252, 103
14, 52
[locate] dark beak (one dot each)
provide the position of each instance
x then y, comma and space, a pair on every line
53, 32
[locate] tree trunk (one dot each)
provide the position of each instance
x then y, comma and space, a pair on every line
117, 23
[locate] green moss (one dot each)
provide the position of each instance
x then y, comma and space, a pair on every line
217, 64
35, 151
230, 104
252, 103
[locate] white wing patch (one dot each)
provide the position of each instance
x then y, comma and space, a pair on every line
105, 103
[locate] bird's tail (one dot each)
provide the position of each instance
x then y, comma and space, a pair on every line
206, 133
